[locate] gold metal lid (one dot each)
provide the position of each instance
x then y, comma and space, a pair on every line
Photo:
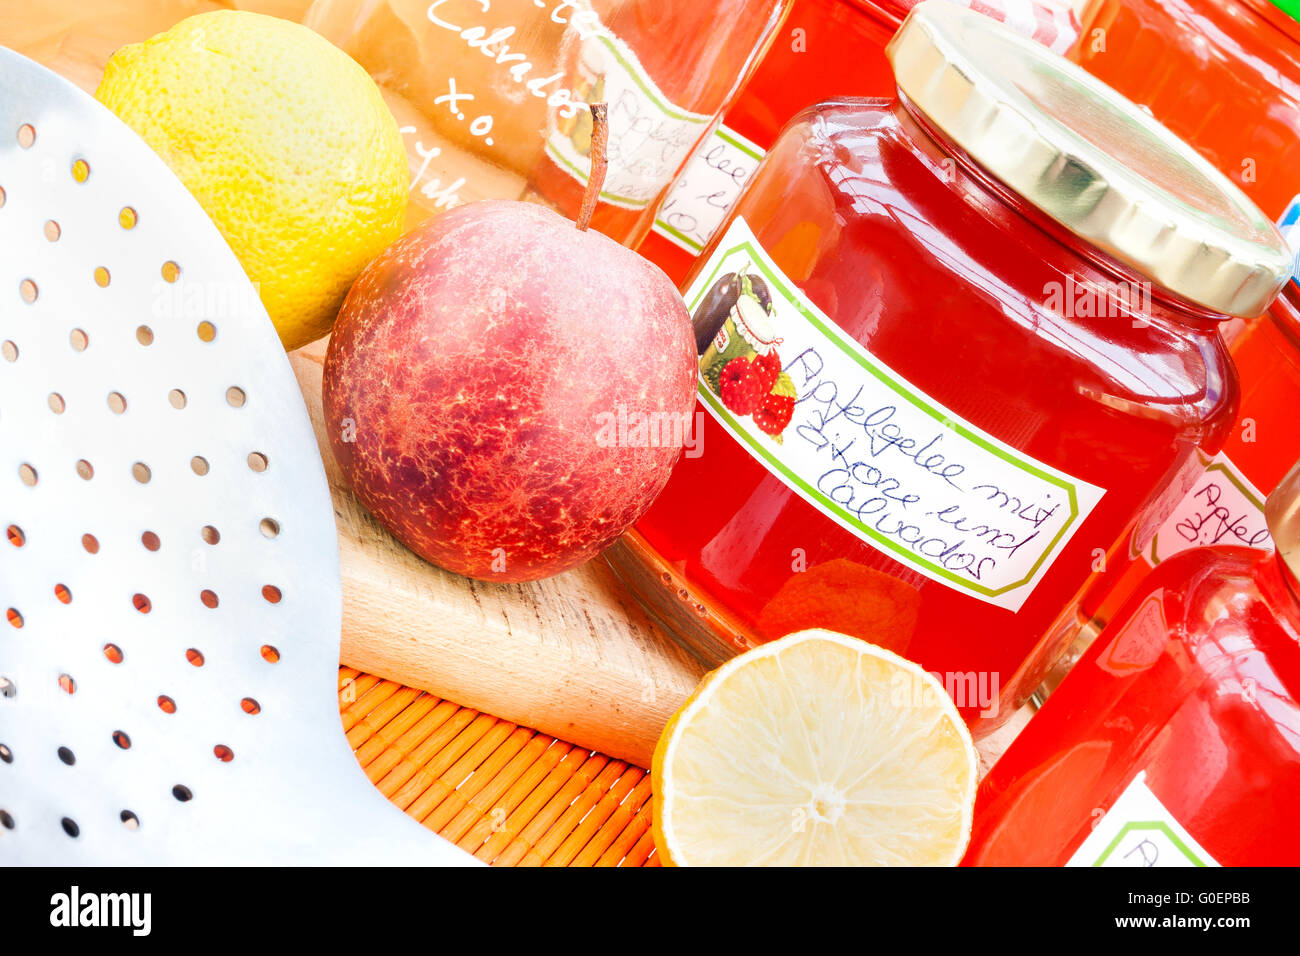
1282, 512
1089, 158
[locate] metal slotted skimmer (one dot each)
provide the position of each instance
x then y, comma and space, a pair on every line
169, 573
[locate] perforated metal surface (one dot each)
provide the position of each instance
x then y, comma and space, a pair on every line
169, 575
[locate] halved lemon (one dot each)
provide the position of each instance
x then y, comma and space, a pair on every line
815, 750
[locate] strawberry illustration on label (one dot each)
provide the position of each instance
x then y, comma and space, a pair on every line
740, 387
740, 363
776, 408
768, 367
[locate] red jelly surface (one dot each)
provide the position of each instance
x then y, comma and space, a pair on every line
942, 275
1222, 74
1211, 714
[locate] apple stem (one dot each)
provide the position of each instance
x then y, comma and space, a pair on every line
599, 163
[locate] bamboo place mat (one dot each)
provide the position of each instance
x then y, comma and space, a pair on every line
507, 794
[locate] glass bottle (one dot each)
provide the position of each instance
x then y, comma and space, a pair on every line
979, 325
484, 90
490, 96
827, 48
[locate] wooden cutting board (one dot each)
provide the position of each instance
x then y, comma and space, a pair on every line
573, 656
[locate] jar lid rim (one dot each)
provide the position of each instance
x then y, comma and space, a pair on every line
1089, 158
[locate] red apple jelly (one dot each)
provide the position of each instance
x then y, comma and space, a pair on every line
1175, 741
1223, 74
952, 347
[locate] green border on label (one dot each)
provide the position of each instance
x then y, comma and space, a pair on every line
583, 175
918, 400
735, 141
746, 147
1254, 499
1156, 825
692, 245
668, 109
656, 99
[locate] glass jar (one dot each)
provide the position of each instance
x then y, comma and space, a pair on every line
829, 48
490, 95
1222, 74
1175, 741
979, 333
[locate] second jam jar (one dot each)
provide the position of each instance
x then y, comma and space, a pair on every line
1223, 74
953, 347
1175, 741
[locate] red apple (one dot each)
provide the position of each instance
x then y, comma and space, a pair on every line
477, 378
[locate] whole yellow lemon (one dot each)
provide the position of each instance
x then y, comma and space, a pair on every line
286, 143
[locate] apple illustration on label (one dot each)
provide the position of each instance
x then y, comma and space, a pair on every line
508, 393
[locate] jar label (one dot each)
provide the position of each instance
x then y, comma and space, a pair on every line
649, 137
1222, 507
1138, 831
707, 189
859, 443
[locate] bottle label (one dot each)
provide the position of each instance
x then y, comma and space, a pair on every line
859, 443
1222, 507
649, 137
1140, 643
1138, 831
707, 189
